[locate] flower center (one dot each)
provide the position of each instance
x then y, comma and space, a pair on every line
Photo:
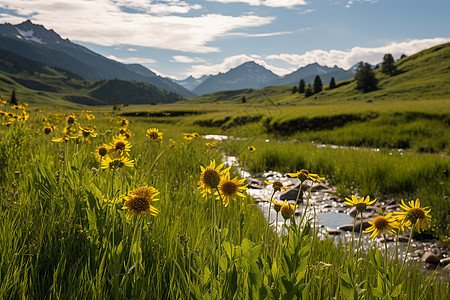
277, 185
287, 211
153, 135
277, 207
138, 204
120, 146
229, 188
70, 120
47, 130
211, 177
380, 222
415, 214
102, 151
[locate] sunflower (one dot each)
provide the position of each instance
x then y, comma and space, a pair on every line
210, 177
360, 204
277, 205
303, 175
287, 211
230, 188
381, 224
277, 185
140, 201
120, 145
48, 129
70, 119
101, 152
116, 163
251, 148
154, 135
88, 131
188, 136
414, 215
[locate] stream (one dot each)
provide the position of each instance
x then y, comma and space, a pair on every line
331, 216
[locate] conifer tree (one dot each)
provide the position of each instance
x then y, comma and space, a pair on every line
13, 99
388, 66
301, 86
365, 78
308, 91
317, 84
332, 84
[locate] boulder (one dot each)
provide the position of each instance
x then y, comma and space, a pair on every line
333, 231
445, 261
349, 227
430, 258
291, 194
254, 183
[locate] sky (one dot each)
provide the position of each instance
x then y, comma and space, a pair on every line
178, 38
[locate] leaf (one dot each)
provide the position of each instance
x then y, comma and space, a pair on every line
228, 249
206, 275
246, 244
397, 290
223, 262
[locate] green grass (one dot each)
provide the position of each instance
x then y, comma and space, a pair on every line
60, 239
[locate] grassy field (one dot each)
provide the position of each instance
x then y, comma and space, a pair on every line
65, 233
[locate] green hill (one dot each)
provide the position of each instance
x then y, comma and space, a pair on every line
423, 75
36, 83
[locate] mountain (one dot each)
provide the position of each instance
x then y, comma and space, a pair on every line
46, 46
421, 76
247, 75
191, 83
309, 72
35, 82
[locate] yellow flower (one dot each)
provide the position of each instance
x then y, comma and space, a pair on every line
140, 201
70, 119
125, 122
230, 188
210, 177
251, 148
89, 117
382, 224
116, 163
277, 205
64, 138
120, 145
49, 129
287, 211
277, 185
88, 131
101, 152
303, 175
414, 215
360, 204
190, 136
154, 135
211, 145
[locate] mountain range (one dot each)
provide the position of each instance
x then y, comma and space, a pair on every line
46, 46
253, 75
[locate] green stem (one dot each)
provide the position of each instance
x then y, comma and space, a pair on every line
268, 222
353, 233
407, 249
307, 204
360, 234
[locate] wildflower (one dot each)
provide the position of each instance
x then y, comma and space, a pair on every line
210, 177
190, 136
277, 185
64, 138
287, 211
116, 163
154, 135
360, 204
48, 129
414, 215
101, 152
120, 145
89, 117
303, 175
88, 131
70, 119
140, 201
382, 224
251, 148
124, 122
230, 188
211, 145
277, 205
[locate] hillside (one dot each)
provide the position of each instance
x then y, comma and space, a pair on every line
46, 46
423, 75
35, 82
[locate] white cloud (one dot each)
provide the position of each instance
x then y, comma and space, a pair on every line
131, 49
186, 59
346, 59
232, 62
110, 22
270, 3
257, 34
307, 11
133, 60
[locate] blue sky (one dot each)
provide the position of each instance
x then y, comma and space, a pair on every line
179, 38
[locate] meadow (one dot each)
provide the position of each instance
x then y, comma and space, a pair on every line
139, 218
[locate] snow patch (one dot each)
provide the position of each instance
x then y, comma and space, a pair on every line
28, 35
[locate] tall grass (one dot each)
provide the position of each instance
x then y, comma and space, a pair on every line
61, 237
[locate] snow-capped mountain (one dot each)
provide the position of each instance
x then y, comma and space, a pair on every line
247, 75
191, 82
309, 72
46, 46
